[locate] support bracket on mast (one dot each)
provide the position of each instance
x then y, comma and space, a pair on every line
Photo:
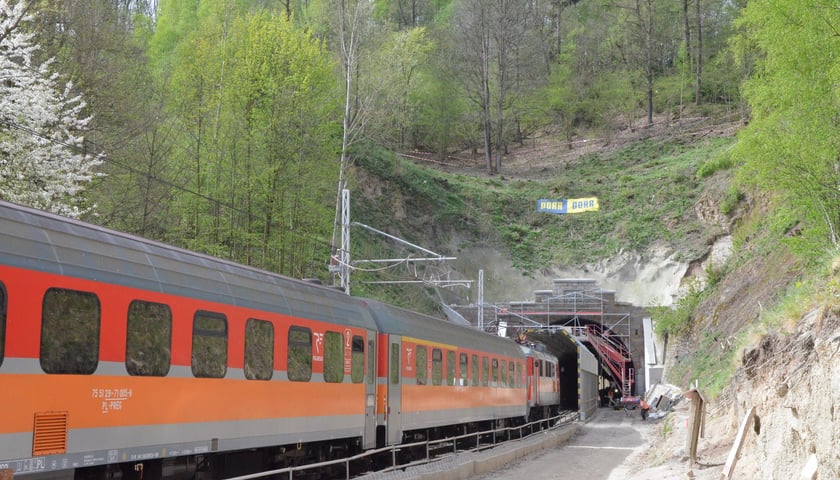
341, 264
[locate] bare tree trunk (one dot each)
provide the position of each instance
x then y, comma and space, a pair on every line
697, 92
351, 22
687, 35
502, 66
558, 26
488, 126
485, 96
649, 61
216, 234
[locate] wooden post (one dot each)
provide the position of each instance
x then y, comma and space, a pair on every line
696, 423
7, 474
732, 459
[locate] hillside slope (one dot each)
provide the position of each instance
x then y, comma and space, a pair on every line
657, 218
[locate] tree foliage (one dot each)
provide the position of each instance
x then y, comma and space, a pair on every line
101, 45
398, 64
792, 142
253, 101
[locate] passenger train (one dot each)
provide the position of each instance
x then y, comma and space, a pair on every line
127, 358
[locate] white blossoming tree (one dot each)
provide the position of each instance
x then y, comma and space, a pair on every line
43, 163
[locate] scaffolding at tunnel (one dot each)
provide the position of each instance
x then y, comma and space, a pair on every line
578, 307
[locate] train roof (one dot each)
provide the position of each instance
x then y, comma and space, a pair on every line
398, 321
533, 352
37, 240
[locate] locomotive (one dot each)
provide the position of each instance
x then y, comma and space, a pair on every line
126, 358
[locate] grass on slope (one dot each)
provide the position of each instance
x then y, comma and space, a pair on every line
646, 192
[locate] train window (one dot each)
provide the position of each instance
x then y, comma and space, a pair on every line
2, 320
464, 369
357, 359
512, 374
495, 370
421, 364
70, 332
451, 368
259, 349
395, 363
437, 366
519, 383
333, 358
485, 371
300, 354
476, 379
209, 345
371, 372
148, 342
503, 373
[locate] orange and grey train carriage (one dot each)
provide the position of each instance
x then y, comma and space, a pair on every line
127, 358
543, 383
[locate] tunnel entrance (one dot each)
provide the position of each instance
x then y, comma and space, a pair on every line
592, 335
566, 350
592, 359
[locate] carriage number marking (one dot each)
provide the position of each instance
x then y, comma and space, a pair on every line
112, 398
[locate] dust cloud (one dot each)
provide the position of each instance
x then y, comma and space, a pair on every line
650, 279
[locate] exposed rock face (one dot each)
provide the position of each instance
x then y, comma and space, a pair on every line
794, 383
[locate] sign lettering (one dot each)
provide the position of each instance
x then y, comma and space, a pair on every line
570, 205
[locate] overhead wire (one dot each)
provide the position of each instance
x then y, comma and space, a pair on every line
105, 158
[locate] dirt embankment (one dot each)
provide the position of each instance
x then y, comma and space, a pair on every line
793, 383
546, 153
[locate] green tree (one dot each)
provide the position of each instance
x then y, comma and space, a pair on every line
792, 142
408, 14
286, 93
441, 123
398, 62
252, 101
101, 45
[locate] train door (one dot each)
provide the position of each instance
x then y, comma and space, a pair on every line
370, 392
394, 408
535, 383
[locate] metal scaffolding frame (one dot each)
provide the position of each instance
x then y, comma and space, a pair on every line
573, 311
